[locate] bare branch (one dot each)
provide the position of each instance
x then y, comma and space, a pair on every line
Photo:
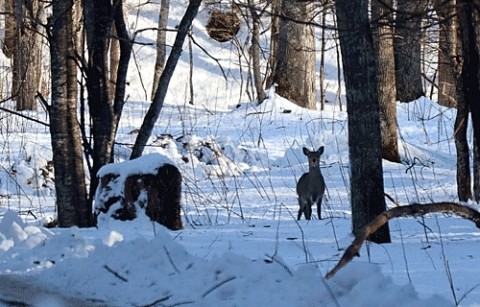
413, 210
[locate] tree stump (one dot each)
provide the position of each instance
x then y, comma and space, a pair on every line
150, 183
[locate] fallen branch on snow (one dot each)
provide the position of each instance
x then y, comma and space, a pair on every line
413, 210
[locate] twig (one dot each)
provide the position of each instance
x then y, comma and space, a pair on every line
155, 303
106, 267
171, 260
390, 198
447, 266
217, 286
24, 116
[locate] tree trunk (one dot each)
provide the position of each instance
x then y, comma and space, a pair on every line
323, 43
383, 43
22, 44
364, 139
295, 56
458, 66
447, 52
469, 22
114, 62
161, 43
464, 188
159, 98
125, 43
256, 52
98, 25
276, 9
73, 208
407, 46
476, 172
468, 19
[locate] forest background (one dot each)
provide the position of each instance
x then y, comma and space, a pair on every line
89, 77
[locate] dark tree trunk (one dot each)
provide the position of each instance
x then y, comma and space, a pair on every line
469, 24
360, 74
464, 187
452, 51
383, 44
98, 25
73, 208
294, 71
407, 44
159, 98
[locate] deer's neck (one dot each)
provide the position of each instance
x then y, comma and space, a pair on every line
314, 172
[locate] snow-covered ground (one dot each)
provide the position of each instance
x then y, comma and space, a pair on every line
241, 245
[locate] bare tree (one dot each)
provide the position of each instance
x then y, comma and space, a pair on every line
294, 68
382, 17
159, 98
364, 139
70, 187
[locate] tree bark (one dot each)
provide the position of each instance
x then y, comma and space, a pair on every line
98, 16
294, 72
364, 139
256, 52
469, 24
73, 208
161, 43
276, 9
382, 16
407, 44
22, 44
125, 44
323, 43
464, 187
447, 52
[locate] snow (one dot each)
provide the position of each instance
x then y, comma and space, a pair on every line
241, 245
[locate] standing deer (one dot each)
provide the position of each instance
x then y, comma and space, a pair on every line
311, 186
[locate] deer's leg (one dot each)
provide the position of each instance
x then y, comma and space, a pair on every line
308, 210
319, 206
301, 204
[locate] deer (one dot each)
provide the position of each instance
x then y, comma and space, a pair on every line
311, 185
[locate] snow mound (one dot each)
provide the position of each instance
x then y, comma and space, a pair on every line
76, 266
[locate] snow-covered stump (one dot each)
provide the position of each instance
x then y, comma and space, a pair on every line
151, 183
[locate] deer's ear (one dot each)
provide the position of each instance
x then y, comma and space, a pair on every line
320, 150
306, 151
